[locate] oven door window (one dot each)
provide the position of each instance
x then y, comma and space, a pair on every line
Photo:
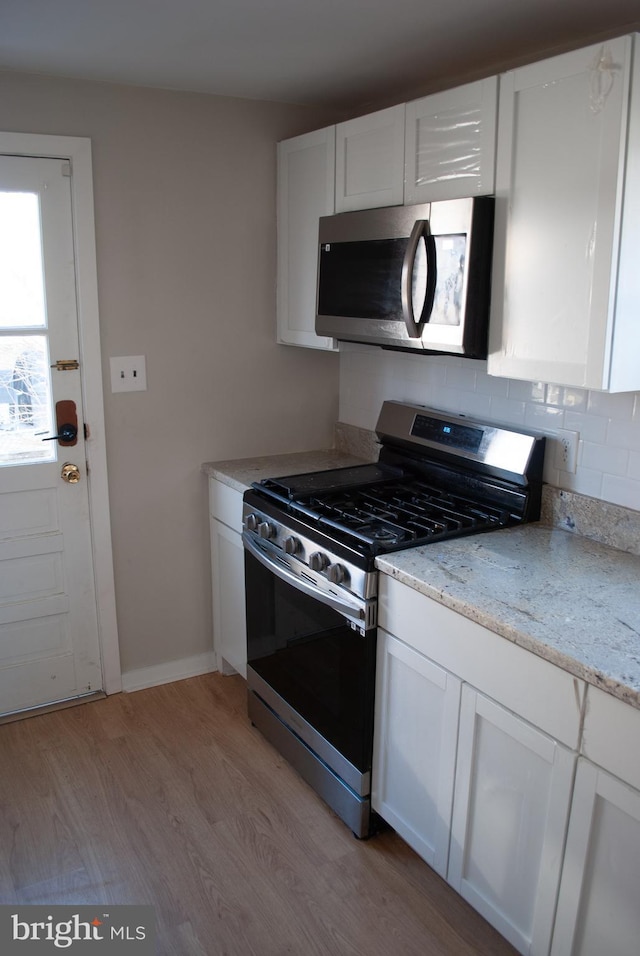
314, 660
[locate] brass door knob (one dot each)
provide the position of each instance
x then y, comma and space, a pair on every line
70, 473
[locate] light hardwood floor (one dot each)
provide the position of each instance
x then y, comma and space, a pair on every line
169, 797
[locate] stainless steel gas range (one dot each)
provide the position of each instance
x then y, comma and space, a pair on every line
311, 541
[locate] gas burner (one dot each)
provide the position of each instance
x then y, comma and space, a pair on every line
384, 534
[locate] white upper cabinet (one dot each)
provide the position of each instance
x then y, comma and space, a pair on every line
306, 169
450, 143
370, 160
566, 279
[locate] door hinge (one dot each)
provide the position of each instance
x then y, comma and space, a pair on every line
66, 169
66, 365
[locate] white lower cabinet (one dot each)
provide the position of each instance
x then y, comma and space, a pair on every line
227, 578
413, 769
599, 904
475, 749
512, 795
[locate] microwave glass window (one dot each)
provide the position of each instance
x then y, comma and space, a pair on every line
448, 304
362, 279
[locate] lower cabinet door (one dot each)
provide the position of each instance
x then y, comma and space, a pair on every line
599, 903
229, 615
417, 706
511, 804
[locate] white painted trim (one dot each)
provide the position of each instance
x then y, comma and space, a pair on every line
168, 672
78, 151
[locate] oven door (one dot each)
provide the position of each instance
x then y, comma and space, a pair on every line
312, 665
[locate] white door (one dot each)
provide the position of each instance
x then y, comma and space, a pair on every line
49, 646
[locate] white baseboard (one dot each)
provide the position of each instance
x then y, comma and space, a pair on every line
168, 672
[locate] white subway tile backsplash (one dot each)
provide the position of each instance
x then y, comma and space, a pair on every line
508, 411
591, 427
584, 482
459, 376
618, 406
527, 391
543, 417
615, 461
608, 425
490, 385
624, 434
575, 399
622, 491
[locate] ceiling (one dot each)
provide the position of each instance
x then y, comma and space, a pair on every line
345, 54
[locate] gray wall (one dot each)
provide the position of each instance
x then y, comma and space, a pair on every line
184, 190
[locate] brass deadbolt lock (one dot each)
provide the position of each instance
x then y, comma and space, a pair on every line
70, 473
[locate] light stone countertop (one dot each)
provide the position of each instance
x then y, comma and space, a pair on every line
569, 599
560, 595
239, 473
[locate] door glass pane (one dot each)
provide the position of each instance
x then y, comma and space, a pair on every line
22, 301
25, 401
25, 383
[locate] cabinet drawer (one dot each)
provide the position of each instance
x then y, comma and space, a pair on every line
611, 735
225, 504
545, 695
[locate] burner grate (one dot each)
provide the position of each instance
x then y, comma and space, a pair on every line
400, 512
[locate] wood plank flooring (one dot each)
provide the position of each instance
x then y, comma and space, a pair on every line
170, 797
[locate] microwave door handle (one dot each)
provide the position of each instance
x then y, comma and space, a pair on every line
352, 611
421, 230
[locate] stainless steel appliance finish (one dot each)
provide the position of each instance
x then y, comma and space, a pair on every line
310, 546
408, 277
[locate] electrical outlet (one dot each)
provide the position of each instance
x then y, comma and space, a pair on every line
566, 443
128, 373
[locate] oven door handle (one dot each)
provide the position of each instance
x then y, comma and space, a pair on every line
354, 612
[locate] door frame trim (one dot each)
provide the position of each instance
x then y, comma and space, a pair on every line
77, 150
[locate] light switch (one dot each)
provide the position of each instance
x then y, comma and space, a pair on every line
128, 373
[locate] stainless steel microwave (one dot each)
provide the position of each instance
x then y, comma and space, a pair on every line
408, 277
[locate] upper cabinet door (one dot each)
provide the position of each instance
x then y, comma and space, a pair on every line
450, 146
306, 167
370, 160
566, 282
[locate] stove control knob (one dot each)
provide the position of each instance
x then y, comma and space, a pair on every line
266, 530
336, 573
291, 545
318, 561
251, 522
